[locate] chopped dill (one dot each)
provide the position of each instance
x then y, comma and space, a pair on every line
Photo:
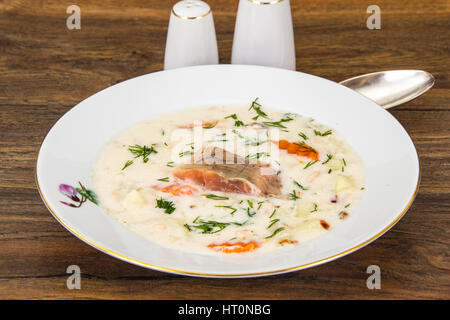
215, 197
305, 147
257, 107
329, 157
250, 213
301, 134
293, 195
228, 207
299, 185
186, 153
258, 155
141, 151
260, 204
309, 164
326, 133
275, 232
127, 164
168, 206
273, 213
210, 226
273, 222
237, 122
278, 124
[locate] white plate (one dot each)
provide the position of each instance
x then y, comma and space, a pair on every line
72, 145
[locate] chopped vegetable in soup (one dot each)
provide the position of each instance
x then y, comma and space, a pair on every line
229, 180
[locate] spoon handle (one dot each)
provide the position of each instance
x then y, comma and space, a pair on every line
391, 88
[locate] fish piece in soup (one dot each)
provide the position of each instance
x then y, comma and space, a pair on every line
219, 170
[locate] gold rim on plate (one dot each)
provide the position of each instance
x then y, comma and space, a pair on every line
226, 275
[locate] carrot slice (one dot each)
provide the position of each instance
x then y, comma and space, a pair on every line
178, 190
302, 150
292, 148
237, 247
283, 144
288, 241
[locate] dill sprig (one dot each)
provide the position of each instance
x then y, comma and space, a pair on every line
329, 157
275, 232
305, 147
293, 195
258, 155
237, 122
250, 212
299, 185
273, 222
168, 206
260, 204
326, 133
210, 226
228, 207
186, 153
273, 213
309, 164
127, 164
215, 197
278, 124
301, 134
257, 107
142, 151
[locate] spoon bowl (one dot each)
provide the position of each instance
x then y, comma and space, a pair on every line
391, 88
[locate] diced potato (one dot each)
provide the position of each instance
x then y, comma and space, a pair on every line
303, 208
335, 164
134, 198
343, 183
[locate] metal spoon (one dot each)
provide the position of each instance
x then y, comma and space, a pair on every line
391, 88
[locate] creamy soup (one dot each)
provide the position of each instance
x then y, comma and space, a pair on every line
229, 180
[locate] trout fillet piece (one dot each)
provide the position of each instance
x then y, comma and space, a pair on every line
220, 170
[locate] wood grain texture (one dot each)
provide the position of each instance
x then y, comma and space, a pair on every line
45, 69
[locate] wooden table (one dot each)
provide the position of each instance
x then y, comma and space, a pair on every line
45, 69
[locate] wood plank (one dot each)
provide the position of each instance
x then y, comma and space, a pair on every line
46, 69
